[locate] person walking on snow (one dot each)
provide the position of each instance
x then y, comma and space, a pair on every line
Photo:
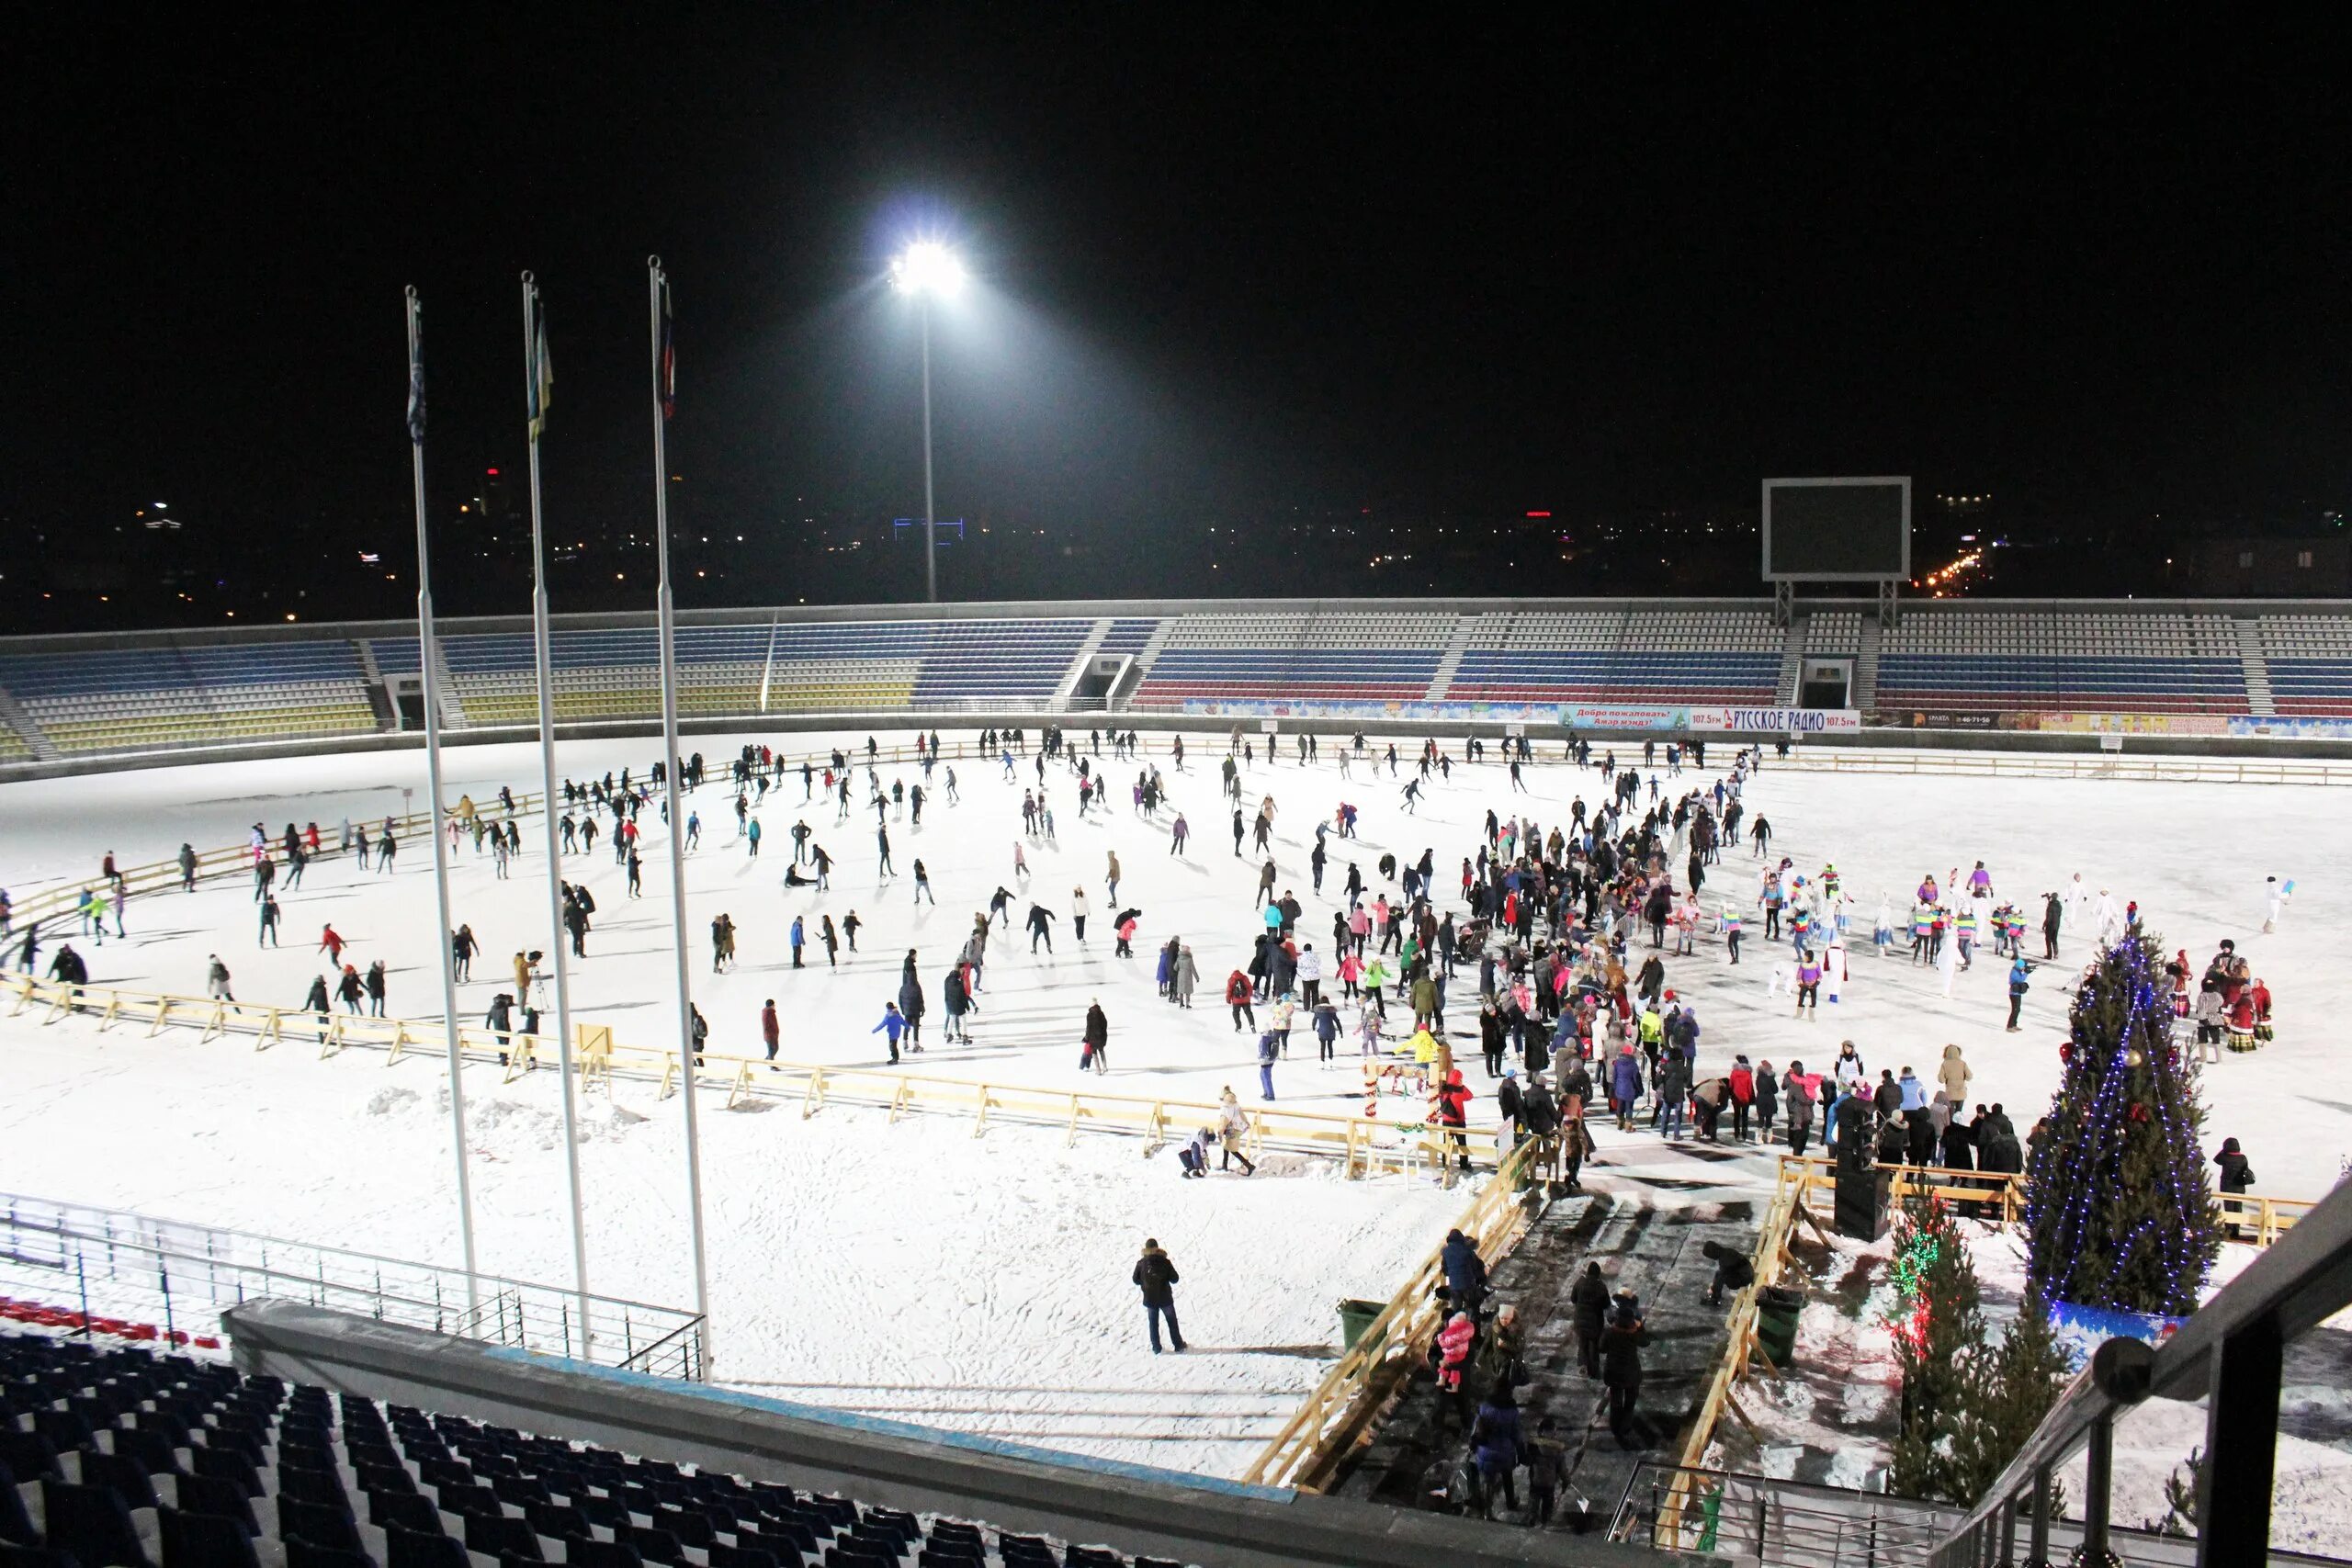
1156, 1277
1096, 1042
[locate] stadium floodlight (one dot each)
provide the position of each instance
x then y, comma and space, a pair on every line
927, 270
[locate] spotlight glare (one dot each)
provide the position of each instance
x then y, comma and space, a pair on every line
927, 267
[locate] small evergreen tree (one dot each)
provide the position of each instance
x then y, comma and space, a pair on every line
2118, 1201
2009, 1391
1938, 1336
2180, 1500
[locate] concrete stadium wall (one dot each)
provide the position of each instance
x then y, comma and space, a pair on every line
893, 1464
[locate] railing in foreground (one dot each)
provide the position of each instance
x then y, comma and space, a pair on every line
1769, 1522
1802, 1179
1328, 1423
116, 1269
2232, 1353
1364, 1144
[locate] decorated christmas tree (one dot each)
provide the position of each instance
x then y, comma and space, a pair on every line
1938, 1334
2118, 1201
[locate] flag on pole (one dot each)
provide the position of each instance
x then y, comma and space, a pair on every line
542, 379
416, 381
669, 365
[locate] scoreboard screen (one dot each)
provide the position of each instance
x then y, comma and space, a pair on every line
1828, 530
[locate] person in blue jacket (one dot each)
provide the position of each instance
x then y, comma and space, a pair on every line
1494, 1442
894, 1023
1625, 1085
1466, 1273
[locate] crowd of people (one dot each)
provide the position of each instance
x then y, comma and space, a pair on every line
1569, 933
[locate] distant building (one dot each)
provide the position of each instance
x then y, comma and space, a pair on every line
2245, 567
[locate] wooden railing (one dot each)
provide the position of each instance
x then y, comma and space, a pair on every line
235, 860
1331, 1419
1802, 1179
1364, 1146
1831, 759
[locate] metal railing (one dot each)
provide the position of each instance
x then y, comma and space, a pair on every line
1774, 1523
2232, 1353
121, 1271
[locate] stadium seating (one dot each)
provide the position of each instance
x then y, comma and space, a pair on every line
123, 1459
1620, 655
819, 666
115, 699
1304, 657
1129, 634
2309, 659
1985, 661
1834, 631
1955, 656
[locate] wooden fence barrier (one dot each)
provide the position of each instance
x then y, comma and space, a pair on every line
2103, 766
1363, 1147
1803, 1179
234, 860
1333, 1418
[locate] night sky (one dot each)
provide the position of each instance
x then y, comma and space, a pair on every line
1227, 267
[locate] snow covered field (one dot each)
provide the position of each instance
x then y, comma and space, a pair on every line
914, 1254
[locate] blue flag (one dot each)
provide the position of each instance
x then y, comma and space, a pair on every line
416, 381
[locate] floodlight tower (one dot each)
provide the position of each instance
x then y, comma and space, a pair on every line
927, 269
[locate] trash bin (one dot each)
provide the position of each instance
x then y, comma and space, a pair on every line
1356, 1316
1777, 1308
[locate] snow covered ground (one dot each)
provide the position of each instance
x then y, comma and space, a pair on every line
966, 1269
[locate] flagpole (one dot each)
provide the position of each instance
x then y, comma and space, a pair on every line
657, 283
433, 781
541, 648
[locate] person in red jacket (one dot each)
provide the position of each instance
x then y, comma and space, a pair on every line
1237, 996
1454, 1099
770, 1032
1743, 1095
331, 944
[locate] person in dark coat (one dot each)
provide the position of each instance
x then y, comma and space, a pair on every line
1465, 1273
1958, 1143
1589, 1299
1097, 1039
1495, 1441
1733, 1271
2237, 1176
1621, 1371
1156, 1277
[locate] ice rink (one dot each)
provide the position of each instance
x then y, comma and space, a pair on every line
988, 1278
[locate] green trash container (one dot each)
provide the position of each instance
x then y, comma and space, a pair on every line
1777, 1308
1356, 1316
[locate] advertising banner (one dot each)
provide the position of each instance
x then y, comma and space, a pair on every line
1779, 721
1663, 717
2132, 723
2309, 727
